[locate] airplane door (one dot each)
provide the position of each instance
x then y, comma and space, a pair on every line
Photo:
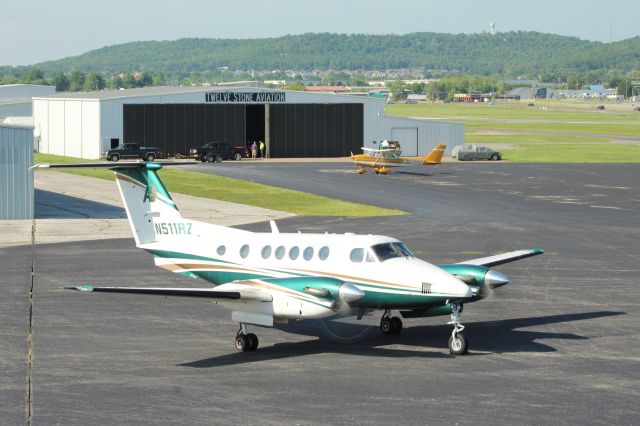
408, 138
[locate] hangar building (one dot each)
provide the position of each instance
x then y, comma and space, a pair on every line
176, 119
15, 99
16, 179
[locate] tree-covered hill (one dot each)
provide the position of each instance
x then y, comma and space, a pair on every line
507, 54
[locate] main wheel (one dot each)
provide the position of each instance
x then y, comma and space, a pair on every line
242, 343
210, 158
150, 157
218, 158
386, 325
114, 157
237, 156
254, 341
458, 345
396, 325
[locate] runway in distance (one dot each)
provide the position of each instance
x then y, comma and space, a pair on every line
381, 161
269, 277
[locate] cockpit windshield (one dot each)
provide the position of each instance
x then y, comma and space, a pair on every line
386, 251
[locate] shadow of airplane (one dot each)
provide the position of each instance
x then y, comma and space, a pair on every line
486, 336
51, 205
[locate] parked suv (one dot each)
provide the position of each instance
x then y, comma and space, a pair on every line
215, 151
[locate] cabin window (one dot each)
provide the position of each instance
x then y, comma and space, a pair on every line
294, 252
221, 250
387, 251
308, 253
244, 251
266, 252
280, 252
370, 256
357, 254
323, 253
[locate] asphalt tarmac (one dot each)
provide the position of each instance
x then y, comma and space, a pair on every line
559, 345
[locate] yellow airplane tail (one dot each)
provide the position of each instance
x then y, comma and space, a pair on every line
435, 156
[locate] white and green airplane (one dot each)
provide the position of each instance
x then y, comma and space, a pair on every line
266, 278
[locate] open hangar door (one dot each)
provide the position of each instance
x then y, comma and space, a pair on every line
315, 130
408, 138
176, 128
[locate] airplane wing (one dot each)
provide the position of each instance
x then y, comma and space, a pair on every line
231, 291
500, 259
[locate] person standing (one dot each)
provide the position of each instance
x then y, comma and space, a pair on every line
262, 150
254, 150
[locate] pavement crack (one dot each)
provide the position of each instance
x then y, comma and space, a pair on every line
29, 408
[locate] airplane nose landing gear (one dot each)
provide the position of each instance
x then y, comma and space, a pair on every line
245, 341
458, 344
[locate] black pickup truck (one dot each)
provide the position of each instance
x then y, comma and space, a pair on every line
132, 150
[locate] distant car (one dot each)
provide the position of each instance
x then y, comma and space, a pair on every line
215, 151
474, 152
132, 150
636, 109
600, 107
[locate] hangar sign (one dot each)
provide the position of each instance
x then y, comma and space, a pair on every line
245, 97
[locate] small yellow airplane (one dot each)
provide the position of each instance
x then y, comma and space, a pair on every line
381, 160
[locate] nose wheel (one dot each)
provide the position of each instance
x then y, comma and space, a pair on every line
390, 325
245, 341
458, 344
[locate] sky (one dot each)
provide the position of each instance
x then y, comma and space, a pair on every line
33, 31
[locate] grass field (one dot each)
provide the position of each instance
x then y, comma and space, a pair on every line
551, 131
237, 191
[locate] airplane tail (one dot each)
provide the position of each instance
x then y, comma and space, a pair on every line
435, 156
151, 212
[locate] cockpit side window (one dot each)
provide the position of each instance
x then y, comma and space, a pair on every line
387, 251
370, 256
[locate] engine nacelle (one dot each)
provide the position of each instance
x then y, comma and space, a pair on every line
480, 278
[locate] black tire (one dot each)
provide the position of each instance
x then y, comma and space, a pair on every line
210, 158
386, 326
242, 343
237, 156
114, 157
396, 324
203, 158
459, 346
218, 158
495, 157
254, 341
150, 156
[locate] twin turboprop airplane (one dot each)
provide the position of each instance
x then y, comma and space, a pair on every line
382, 160
271, 277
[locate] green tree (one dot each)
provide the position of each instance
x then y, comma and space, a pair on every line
61, 82
396, 89
33, 76
76, 81
158, 79
93, 81
128, 81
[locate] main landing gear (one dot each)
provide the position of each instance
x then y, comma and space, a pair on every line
245, 341
458, 344
390, 325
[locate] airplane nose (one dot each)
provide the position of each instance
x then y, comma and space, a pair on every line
495, 279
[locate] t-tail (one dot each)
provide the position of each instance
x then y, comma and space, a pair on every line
435, 156
151, 211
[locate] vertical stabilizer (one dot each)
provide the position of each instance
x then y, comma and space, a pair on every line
435, 156
147, 201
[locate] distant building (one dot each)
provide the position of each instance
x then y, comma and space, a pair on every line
334, 89
15, 99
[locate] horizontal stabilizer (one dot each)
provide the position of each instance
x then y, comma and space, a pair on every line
114, 166
503, 258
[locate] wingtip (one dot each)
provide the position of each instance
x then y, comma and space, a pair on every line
86, 287
537, 250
